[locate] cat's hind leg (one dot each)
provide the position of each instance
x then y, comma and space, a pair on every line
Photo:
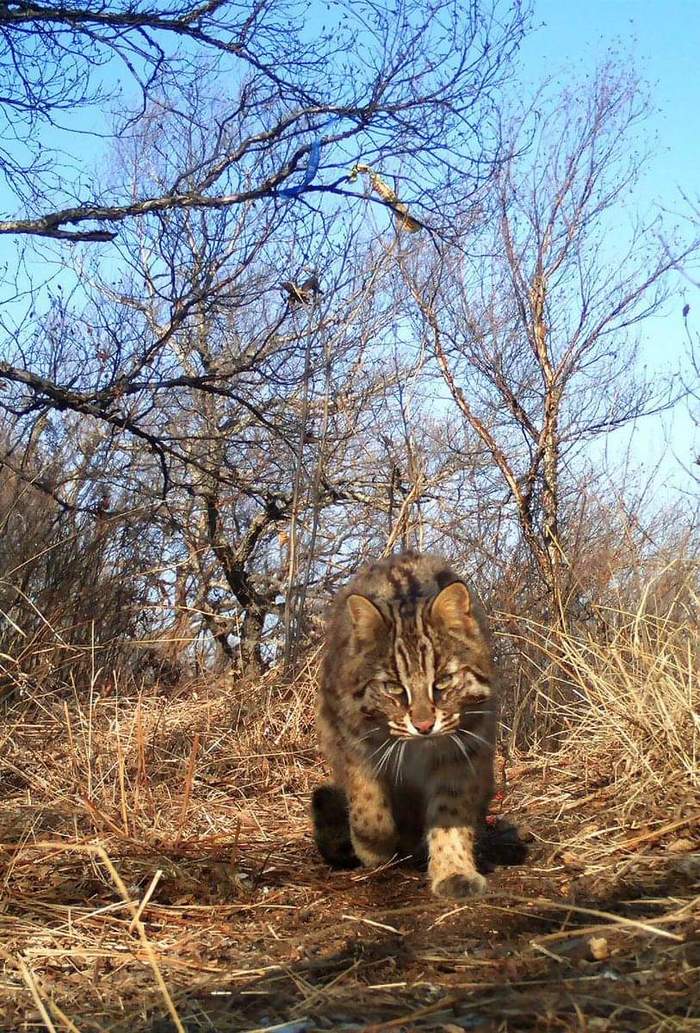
331, 819
501, 843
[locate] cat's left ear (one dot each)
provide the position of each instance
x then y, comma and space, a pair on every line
452, 608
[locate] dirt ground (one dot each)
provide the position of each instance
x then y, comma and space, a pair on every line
168, 882
373, 952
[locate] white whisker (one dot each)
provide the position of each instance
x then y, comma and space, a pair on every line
478, 738
384, 747
401, 753
463, 749
384, 762
383, 743
385, 755
398, 759
369, 733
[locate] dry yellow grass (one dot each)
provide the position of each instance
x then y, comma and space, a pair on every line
625, 700
158, 871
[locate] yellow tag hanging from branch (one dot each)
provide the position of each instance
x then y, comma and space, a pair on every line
404, 220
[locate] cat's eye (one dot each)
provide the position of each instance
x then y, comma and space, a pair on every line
394, 688
446, 682
387, 687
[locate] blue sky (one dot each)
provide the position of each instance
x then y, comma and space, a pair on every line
662, 37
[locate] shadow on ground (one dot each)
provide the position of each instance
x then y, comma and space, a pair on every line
375, 953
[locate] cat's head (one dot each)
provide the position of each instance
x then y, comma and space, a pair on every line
426, 664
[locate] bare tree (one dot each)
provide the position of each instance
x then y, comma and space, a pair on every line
380, 86
534, 337
212, 403
223, 355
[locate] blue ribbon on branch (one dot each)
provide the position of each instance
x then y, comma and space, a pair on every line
313, 164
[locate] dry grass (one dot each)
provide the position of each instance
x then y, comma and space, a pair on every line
158, 871
624, 700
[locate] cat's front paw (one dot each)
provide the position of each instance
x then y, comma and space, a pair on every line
459, 886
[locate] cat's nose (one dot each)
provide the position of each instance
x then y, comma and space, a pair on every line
424, 726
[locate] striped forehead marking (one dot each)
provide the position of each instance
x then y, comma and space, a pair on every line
425, 647
420, 642
401, 657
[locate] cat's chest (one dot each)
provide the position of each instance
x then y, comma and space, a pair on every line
424, 764
417, 766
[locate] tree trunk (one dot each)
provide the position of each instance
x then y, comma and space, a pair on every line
252, 663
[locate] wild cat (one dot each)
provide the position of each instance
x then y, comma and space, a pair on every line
407, 720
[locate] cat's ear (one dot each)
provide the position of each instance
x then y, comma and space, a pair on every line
452, 607
367, 621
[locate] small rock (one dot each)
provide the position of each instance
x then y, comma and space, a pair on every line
571, 860
599, 948
681, 846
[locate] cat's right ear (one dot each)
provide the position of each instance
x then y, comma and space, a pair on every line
451, 608
367, 622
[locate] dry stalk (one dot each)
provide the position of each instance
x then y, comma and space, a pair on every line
98, 851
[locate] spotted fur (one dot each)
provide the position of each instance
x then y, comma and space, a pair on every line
406, 719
